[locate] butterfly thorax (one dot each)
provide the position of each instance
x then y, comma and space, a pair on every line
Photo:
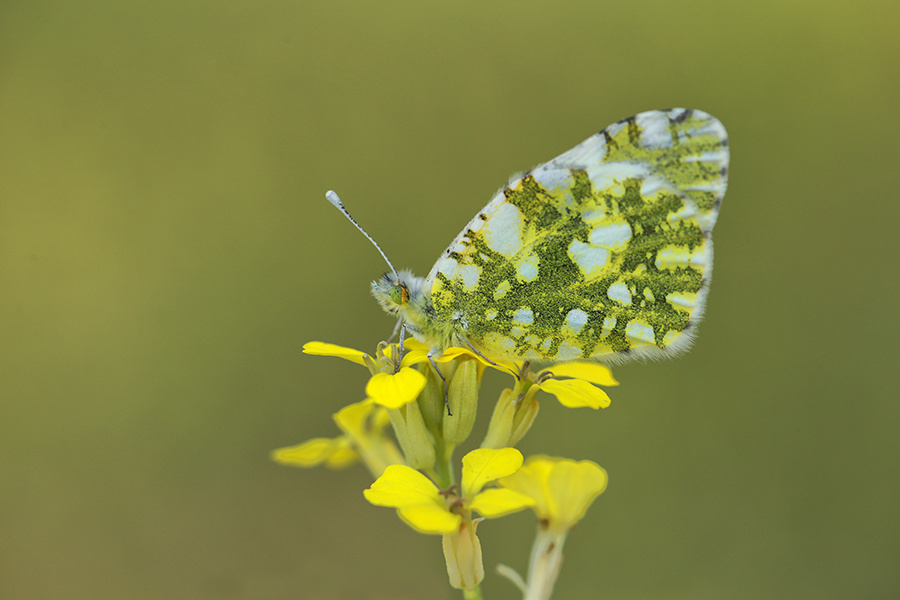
403, 295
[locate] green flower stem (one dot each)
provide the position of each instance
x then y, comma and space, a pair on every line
473, 594
444, 476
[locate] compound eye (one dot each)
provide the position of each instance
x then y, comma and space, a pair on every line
399, 294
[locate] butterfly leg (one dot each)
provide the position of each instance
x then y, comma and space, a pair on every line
431, 354
475, 350
396, 330
401, 349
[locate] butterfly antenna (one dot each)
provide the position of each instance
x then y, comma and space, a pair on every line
332, 197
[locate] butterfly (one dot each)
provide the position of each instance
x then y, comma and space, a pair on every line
604, 252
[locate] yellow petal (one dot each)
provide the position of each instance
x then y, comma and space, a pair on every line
414, 352
575, 393
575, 485
496, 363
414, 357
412, 343
563, 489
485, 465
353, 419
531, 480
401, 486
499, 502
453, 353
335, 452
589, 371
363, 425
395, 390
343, 456
380, 419
429, 518
506, 366
324, 349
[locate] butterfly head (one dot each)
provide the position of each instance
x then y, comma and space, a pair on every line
399, 294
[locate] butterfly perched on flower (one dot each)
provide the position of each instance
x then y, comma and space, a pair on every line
604, 252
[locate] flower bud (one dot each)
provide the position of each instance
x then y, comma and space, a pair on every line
462, 551
463, 391
415, 439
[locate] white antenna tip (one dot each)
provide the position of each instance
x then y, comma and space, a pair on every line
332, 197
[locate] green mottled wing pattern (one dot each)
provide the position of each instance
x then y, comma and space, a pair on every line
603, 252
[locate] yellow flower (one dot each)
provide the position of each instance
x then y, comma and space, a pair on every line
364, 436
418, 501
572, 383
389, 386
428, 509
432, 412
421, 427
562, 489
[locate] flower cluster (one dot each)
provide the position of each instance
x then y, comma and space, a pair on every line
430, 414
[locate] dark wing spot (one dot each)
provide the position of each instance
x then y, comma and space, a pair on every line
684, 116
634, 132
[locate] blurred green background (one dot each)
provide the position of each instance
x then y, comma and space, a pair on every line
165, 251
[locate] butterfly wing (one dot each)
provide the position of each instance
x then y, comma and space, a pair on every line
603, 252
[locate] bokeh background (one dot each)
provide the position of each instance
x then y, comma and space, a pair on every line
165, 251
